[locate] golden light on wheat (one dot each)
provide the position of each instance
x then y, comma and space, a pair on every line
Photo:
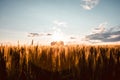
74, 60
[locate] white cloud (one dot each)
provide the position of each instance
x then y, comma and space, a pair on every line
86, 7
89, 4
60, 23
100, 28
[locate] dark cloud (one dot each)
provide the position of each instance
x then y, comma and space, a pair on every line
72, 38
38, 34
115, 39
48, 34
33, 34
110, 35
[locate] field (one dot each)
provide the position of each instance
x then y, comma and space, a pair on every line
69, 62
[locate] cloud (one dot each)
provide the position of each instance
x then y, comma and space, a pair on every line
72, 37
89, 4
104, 35
33, 34
60, 23
39, 34
100, 28
49, 34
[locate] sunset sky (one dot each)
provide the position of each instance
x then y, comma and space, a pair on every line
67, 20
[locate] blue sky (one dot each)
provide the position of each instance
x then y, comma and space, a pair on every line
76, 18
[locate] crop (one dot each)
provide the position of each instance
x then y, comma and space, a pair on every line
68, 62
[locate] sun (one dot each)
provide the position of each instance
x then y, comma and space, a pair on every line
58, 36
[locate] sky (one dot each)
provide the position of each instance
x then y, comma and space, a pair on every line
44, 21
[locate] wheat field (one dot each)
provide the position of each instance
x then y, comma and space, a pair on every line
68, 62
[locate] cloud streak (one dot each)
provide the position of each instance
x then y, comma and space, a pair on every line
60, 23
105, 35
89, 4
72, 37
39, 34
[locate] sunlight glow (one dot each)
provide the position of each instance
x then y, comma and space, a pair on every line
58, 36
